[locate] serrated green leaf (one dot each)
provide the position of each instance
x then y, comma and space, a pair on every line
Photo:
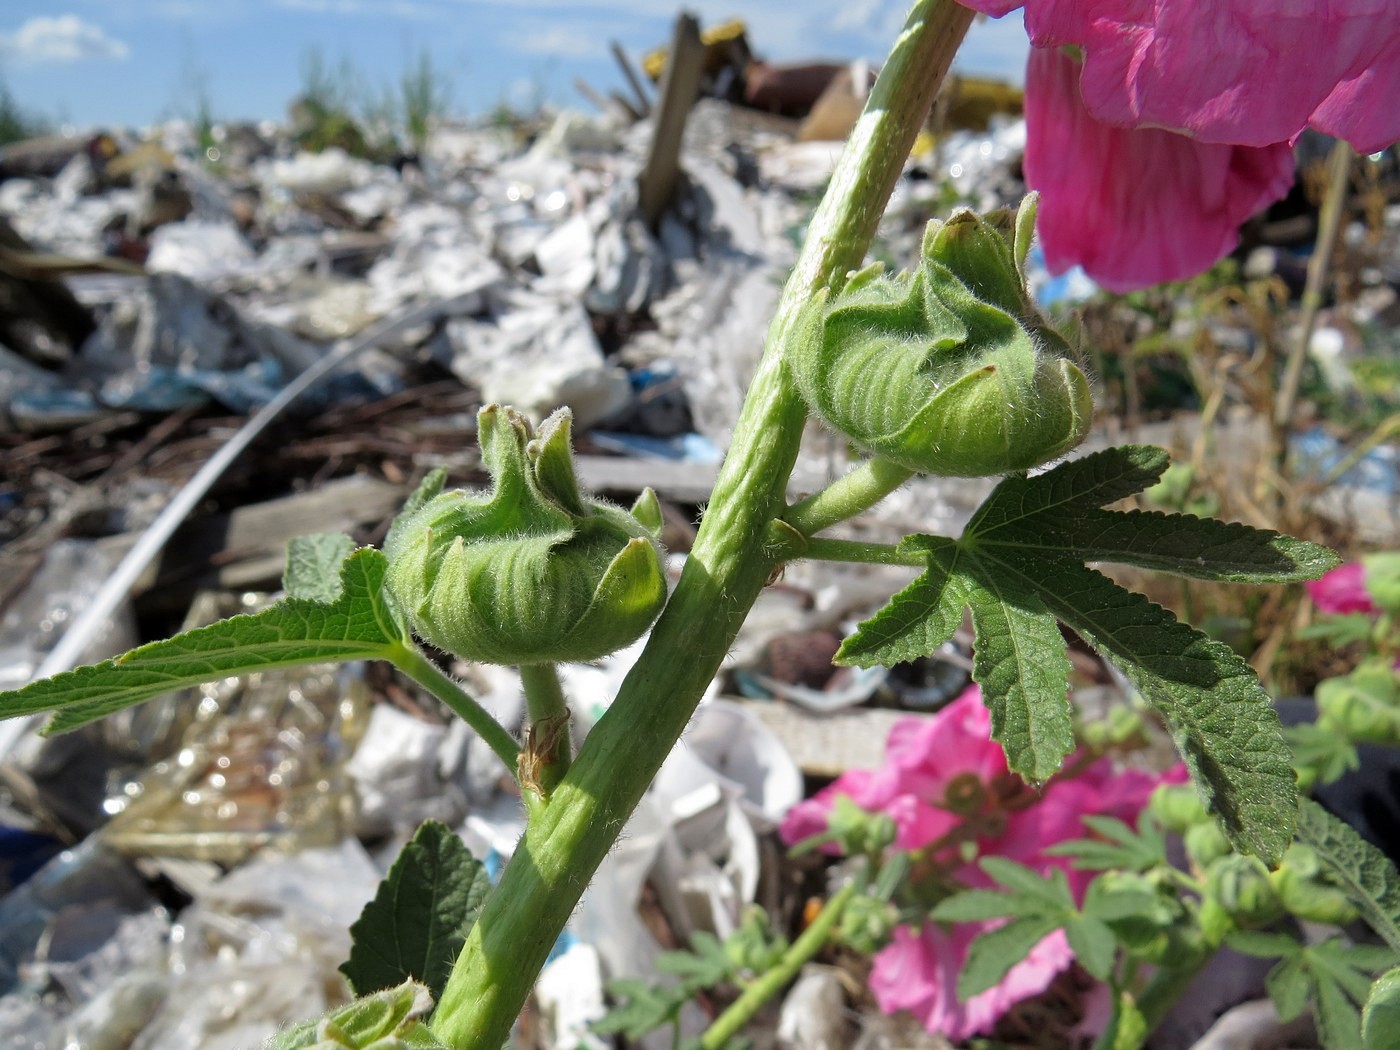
996, 951
1093, 944
313, 566
706, 964
1114, 899
385, 1018
1362, 872
1337, 1015
1222, 720
1021, 558
1263, 945
359, 625
1060, 512
980, 905
419, 918
1380, 1018
645, 1008
1288, 986
1052, 888
919, 618
1121, 847
1021, 665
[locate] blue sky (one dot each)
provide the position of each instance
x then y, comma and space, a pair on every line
95, 62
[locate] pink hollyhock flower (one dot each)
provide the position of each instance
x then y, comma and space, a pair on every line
1231, 76
947, 788
919, 971
1342, 590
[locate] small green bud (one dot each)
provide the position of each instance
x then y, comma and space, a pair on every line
1304, 891
1242, 887
530, 571
1364, 704
1177, 807
949, 370
1205, 843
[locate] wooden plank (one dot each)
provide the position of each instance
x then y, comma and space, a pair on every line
246, 548
656, 184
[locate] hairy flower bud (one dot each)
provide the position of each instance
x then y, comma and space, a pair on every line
1304, 890
948, 370
530, 571
1242, 887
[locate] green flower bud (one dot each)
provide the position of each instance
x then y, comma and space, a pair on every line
1304, 891
1177, 807
1365, 704
949, 370
1205, 843
1242, 887
530, 571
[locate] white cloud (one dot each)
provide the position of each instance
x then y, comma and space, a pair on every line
64, 38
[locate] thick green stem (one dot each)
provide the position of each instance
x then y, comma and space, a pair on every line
727, 568
426, 673
854, 493
814, 937
548, 748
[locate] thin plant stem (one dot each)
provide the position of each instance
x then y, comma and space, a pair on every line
853, 493
728, 566
1319, 269
866, 553
813, 939
426, 673
549, 749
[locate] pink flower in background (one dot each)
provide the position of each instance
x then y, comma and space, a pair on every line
946, 786
1187, 112
919, 971
1342, 590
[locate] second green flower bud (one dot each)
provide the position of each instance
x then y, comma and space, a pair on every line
948, 370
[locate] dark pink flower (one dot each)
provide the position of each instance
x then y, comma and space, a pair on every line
1135, 207
919, 971
1229, 76
1342, 590
946, 786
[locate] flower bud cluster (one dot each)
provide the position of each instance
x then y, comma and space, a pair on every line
530, 571
948, 370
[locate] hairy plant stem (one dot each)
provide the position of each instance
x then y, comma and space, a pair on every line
427, 674
548, 747
813, 938
854, 493
859, 551
727, 568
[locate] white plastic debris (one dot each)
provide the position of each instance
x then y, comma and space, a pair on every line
570, 995
201, 251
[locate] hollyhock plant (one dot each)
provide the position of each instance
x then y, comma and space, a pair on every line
946, 786
1172, 123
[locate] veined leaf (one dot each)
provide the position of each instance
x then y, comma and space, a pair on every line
1019, 566
1363, 872
358, 625
313, 565
418, 921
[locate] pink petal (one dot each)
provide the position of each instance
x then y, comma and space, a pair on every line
1342, 590
1229, 71
1135, 208
919, 971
